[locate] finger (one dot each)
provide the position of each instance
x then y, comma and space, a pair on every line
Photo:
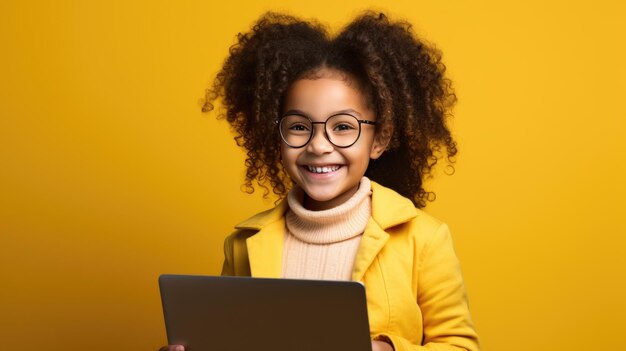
172, 348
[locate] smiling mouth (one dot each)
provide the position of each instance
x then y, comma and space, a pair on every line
323, 169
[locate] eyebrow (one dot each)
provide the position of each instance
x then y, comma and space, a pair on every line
300, 112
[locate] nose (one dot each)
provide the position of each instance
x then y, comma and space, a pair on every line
319, 143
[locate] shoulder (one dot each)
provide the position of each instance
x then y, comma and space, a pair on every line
237, 236
425, 222
390, 209
397, 214
422, 231
264, 218
252, 225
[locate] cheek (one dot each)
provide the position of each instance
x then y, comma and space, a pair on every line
288, 157
369, 151
365, 151
359, 159
365, 162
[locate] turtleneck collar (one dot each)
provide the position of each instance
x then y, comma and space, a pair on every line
333, 225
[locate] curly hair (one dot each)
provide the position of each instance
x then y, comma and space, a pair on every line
401, 76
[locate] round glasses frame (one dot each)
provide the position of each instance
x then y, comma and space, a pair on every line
280, 129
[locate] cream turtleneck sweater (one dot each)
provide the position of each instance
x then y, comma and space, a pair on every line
323, 244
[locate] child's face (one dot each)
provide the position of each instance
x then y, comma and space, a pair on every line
319, 99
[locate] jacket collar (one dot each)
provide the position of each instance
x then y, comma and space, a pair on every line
265, 248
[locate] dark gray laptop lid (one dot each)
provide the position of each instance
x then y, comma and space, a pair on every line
208, 313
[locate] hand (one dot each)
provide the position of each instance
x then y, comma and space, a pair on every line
172, 348
378, 345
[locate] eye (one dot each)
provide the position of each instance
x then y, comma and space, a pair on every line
342, 127
299, 127
342, 124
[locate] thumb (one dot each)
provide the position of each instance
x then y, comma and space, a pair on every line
172, 348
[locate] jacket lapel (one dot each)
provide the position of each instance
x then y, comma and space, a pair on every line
265, 248
388, 209
373, 240
265, 251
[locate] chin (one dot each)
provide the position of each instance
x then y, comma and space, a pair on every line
321, 196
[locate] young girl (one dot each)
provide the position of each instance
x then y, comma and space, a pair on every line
345, 130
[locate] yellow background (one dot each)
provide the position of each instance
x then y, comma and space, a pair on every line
110, 175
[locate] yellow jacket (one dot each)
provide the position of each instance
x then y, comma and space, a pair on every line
415, 293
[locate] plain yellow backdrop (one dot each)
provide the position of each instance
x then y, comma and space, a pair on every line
110, 175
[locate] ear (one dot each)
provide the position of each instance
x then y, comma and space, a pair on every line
381, 141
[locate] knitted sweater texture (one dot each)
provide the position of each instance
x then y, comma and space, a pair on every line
323, 244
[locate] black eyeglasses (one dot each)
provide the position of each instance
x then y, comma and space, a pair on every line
342, 129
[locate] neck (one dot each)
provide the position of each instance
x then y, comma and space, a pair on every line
314, 205
336, 224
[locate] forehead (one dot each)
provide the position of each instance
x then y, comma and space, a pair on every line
322, 95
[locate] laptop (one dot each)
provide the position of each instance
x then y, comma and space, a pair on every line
208, 313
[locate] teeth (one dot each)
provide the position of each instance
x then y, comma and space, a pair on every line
325, 169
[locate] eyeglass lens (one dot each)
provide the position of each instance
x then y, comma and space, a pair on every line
342, 130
